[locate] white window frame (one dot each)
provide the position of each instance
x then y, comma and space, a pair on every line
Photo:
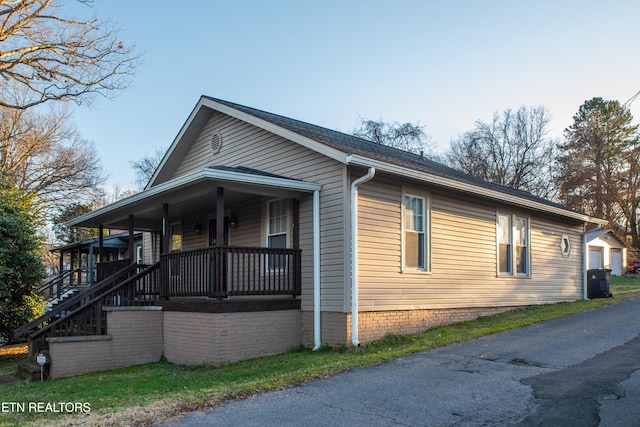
175, 229
287, 226
426, 226
565, 246
512, 245
139, 253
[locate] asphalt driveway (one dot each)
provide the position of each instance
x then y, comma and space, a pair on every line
581, 370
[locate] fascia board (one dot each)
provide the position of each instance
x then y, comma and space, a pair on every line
205, 174
470, 188
175, 142
158, 189
267, 181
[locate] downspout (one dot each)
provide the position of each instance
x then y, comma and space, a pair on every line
316, 270
354, 253
584, 266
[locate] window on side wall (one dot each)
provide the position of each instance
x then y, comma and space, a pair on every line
513, 244
176, 237
277, 225
415, 232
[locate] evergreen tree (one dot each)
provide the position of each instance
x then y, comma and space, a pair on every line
599, 165
20, 266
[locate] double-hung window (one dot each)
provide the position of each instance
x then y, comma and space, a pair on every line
176, 237
176, 245
415, 232
521, 239
513, 244
504, 244
277, 224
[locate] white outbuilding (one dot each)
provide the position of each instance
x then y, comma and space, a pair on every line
606, 250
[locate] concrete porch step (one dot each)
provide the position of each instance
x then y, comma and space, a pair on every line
66, 296
30, 371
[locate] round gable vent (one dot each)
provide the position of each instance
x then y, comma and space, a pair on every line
216, 143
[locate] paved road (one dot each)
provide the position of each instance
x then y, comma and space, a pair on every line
582, 370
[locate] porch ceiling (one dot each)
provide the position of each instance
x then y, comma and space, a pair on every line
191, 193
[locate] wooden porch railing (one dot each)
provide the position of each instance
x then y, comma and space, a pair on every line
219, 272
106, 269
89, 318
75, 302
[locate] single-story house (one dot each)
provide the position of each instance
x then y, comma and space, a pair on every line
262, 233
606, 250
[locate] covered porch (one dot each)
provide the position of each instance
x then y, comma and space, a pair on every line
257, 216
227, 253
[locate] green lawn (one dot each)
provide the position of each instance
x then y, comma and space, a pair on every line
145, 394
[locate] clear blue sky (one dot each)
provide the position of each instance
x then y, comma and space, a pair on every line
443, 64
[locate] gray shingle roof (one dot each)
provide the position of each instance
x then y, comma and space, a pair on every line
350, 144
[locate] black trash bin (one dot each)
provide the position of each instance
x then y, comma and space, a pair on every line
598, 283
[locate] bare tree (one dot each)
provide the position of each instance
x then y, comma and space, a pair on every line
404, 136
43, 155
146, 166
512, 150
48, 57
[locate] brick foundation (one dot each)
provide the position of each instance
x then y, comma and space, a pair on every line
374, 325
333, 327
216, 338
134, 337
137, 335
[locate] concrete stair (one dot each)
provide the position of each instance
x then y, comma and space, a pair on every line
30, 371
64, 297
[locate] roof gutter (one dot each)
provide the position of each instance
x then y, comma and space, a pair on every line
354, 253
585, 279
470, 188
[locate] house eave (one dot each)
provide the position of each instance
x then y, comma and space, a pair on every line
470, 189
221, 176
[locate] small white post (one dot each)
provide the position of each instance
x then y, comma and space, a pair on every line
41, 359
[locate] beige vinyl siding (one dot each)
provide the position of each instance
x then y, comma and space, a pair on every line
147, 248
463, 257
248, 146
249, 223
379, 232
